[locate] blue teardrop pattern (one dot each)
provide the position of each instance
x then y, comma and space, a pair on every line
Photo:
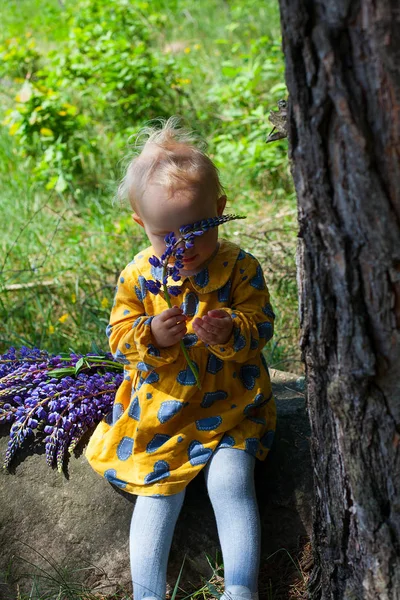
156, 442
190, 304
120, 357
214, 364
190, 339
210, 397
265, 330
160, 471
125, 447
208, 423
252, 445
141, 291
224, 292
226, 442
134, 409
168, 409
202, 278
198, 454
257, 281
248, 375
267, 439
111, 476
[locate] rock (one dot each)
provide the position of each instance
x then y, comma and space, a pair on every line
79, 521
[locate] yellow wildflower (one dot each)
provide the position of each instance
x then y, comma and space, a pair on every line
63, 318
14, 128
70, 108
187, 50
51, 329
73, 298
46, 132
197, 46
62, 113
105, 302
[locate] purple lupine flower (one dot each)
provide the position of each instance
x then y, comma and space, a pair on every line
176, 247
153, 260
37, 403
153, 286
174, 290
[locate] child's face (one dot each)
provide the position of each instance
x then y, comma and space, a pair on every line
162, 211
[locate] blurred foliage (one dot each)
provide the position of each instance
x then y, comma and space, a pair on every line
106, 72
53, 133
18, 56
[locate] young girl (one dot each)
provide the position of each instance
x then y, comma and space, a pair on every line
163, 429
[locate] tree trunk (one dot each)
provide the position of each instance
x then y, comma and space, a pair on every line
342, 72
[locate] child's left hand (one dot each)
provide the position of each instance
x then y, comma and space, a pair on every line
214, 328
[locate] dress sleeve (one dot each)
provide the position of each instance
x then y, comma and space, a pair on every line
129, 330
252, 314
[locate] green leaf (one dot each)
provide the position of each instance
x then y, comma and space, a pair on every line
213, 590
232, 26
230, 71
79, 365
51, 183
62, 372
279, 87
178, 580
61, 185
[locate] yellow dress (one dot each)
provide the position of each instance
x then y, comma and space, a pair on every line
163, 429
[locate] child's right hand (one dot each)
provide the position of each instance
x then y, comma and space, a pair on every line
168, 327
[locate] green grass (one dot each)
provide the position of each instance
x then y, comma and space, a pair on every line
71, 248
36, 16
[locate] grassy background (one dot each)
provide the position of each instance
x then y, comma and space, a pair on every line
63, 246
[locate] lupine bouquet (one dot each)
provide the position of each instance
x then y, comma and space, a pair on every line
54, 400
175, 248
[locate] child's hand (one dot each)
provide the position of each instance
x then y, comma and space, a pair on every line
214, 328
169, 327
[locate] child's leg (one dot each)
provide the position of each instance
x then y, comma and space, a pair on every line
230, 483
152, 528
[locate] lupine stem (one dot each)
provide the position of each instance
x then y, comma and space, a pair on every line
182, 345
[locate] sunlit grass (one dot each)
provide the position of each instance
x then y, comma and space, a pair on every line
36, 16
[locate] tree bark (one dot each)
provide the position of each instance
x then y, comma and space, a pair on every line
342, 73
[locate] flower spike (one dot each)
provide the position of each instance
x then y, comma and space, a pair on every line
54, 399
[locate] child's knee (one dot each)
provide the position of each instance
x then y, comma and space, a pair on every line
231, 472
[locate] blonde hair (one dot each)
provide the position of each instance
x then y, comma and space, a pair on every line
170, 156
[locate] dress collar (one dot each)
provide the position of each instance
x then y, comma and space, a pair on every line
212, 277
